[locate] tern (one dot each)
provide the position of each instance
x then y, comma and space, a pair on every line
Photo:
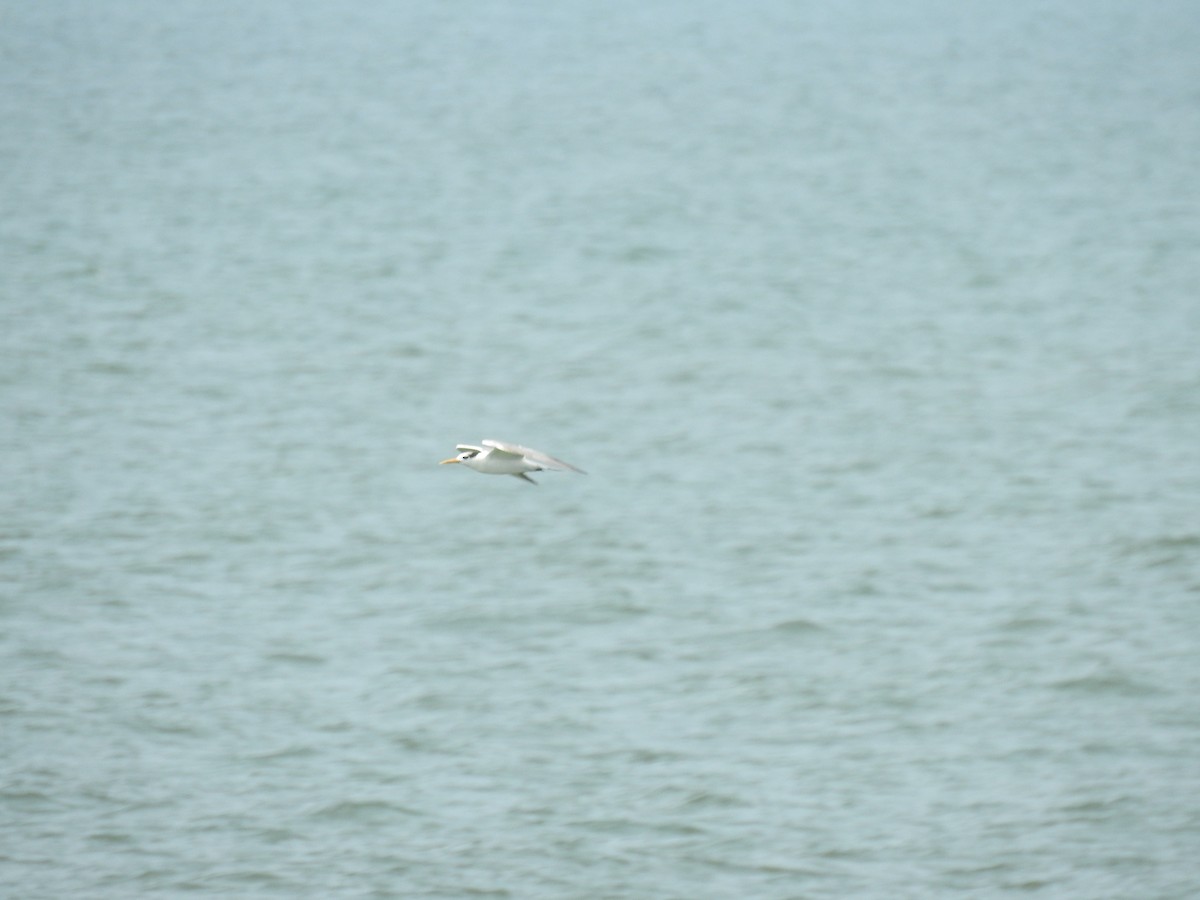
500, 458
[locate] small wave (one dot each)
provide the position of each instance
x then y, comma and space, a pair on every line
297, 659
362, 811
1098, 809
25, 799
166, 724
111, 838
1106, 683
797, 626
1022, 624
637, 756
939, 512
294, 751
632, 827
760, 867
706, 799
784, 630
1164, 550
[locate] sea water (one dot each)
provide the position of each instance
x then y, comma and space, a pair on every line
874, 325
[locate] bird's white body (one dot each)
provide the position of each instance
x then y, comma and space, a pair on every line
500, 458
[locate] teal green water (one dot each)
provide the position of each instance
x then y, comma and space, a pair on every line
875, 328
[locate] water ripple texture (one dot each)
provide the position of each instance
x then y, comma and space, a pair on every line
874, 326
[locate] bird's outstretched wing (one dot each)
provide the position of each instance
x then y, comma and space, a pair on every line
537, 456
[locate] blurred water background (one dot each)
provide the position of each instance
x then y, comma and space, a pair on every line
874, 324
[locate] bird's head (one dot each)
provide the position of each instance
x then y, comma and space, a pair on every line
461, 458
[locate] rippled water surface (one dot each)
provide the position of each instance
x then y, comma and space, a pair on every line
874, 325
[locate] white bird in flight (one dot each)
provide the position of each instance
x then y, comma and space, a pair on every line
499, 458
